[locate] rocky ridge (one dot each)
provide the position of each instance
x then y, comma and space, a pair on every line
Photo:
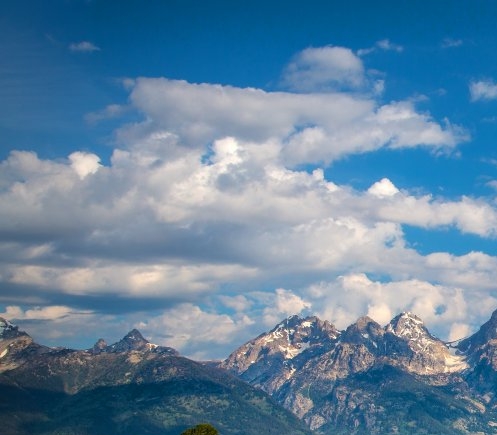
132, 386
366, 379
343, 380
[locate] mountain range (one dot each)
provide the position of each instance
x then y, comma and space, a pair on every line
370, 379
131, 387
303, 375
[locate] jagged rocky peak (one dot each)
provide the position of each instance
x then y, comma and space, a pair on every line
364, 329
135, 336
8, 330
5, 326
309, 329
99, 346
284, 343
410, 345
485, 335
133, 340
407, 325
411, 328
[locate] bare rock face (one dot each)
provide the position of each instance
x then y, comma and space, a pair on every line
16, 347
99, 346
271, 359
307, 365
480, 350
409, 345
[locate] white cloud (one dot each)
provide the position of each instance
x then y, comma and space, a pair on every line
383, 188
387, 45
468, 215
83, 47
443, 308
131, 280
324, 68
238, 303
380, 312
301, 128
208, 203
383, 44
492, 184
84, 163
54, 312
191, 330
483, 90
284, 304
459, 331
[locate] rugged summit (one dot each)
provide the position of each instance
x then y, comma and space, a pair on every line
269, 360
347, 381
420, 353
16, 347
132, 341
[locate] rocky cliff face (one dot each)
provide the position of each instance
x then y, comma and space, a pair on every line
16, 347
480, 350
344, 380
271, 359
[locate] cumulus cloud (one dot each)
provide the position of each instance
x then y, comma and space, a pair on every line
324, 68
238, 303
383, 188
210, 208
83, 47
84, 163
301, 128
285, 303
444, 309
37, 313
190, 329
483, 90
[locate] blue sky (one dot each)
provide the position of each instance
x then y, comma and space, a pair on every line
201, 170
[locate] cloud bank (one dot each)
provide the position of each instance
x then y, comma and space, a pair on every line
214, 215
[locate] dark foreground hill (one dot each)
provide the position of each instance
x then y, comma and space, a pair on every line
129, 388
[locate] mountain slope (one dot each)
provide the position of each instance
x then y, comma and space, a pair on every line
130, 387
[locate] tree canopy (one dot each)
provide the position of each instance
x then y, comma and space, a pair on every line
201, 429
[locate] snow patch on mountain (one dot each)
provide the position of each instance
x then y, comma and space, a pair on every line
456, 363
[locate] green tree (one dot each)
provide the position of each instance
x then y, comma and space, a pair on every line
201, 429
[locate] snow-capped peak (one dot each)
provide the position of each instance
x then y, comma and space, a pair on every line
409, 326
